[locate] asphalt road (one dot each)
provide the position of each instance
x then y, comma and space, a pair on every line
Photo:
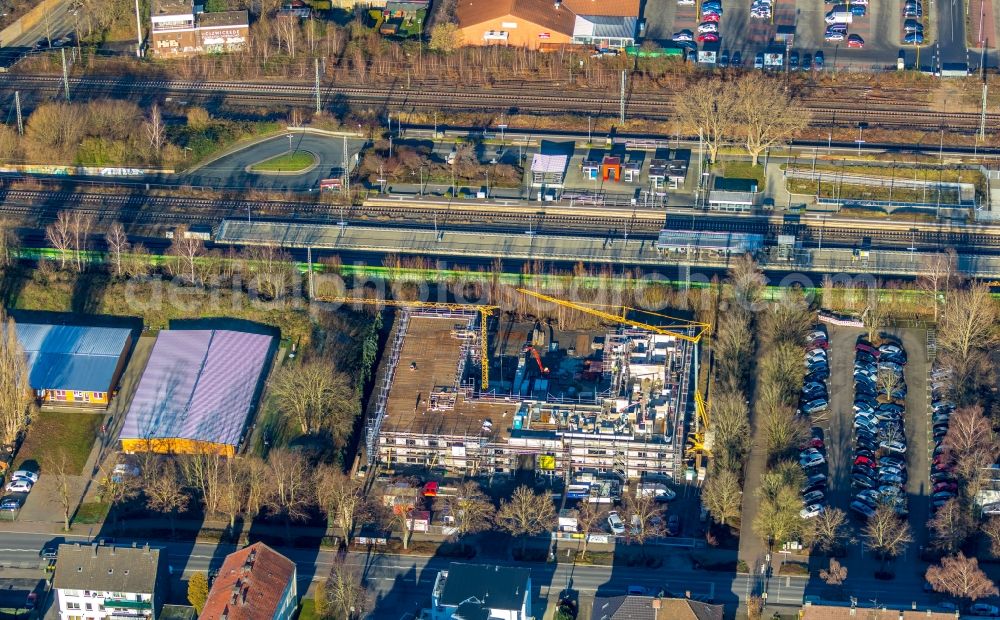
57, 23
951, 30
231, 171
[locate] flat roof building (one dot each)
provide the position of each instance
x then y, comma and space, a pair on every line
74, 364
197, 392
474, 591
176, 29
534, 23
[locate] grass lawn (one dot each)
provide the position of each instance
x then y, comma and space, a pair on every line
307, 610
91, 512
744, 170
72, 431
286, 162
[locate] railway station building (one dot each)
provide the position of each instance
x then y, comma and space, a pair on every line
72, 364
612, 403
177, 29
198, 392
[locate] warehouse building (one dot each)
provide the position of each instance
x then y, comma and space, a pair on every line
197, 392
74, 364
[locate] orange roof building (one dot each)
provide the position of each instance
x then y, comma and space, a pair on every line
532, 23
254, 583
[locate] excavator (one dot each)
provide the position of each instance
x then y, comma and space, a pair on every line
542, 368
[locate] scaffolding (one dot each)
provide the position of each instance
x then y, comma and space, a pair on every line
375, 420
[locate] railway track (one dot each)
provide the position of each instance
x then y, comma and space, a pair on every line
515, 219
642, 105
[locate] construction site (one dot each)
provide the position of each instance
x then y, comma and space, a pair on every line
475, 392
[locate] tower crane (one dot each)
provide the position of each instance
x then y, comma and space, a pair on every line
484, 314
692, 332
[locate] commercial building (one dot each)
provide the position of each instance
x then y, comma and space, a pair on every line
74, 364
613, 403
177, 30
537, 23
475, 591
254, 583
633, 607
871, 611
197, 392
101, 582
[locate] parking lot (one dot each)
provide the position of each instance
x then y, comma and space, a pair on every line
838, 425
880, 28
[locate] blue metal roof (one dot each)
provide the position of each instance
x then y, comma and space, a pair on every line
69, 357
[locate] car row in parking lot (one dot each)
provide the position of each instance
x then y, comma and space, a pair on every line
18, 486
913, 22
815, 398
945, 484
878, 472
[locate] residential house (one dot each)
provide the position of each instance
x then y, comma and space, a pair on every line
478, 591
100, 582
537, 23
632, 607
848, 611
254, 583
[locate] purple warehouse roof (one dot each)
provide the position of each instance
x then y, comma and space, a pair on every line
198, 385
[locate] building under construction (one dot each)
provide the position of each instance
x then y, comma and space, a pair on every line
558, 403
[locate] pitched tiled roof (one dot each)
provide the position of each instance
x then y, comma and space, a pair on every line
542, 12
844, 612
642, 608
131, 570
249, 585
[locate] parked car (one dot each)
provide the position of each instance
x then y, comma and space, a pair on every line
807, 61
833, 36
812, 460
867, 348
708, 37
615, 523
894, 446
737, 60
708, 27
862, 482
19, 485
862, 508
31, 601
812, 510
819, 59
683, 35
914, 38
673, 525
864, 460
815, 406
24, 474
984, 609
10, 504
813, 497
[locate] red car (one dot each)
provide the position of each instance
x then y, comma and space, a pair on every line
855, 41
708, 37
864, 460
946, 486
710, 17
815, 442
819, 344
867, 348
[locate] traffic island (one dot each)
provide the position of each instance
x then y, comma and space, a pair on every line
289, 163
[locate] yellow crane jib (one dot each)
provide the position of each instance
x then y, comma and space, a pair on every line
484, 315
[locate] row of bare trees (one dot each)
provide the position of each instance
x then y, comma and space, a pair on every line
752, 110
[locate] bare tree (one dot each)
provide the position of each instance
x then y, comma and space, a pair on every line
166, 494
401, 516
589, 517
272, 269
60, 235
828, 529
888, 381
937, 277
202, 471
258, 476
138, 263
9, 246
747, 282
232, 488
118, 247
58, 466
290, 492
643, 517
346, 591
968, 321
471, 509
723, 497
318, 398
341, 497
835, 575
729, 430
972, 443
952, 525
992, 530
81, 224
784, 431
768, 113
887, 534
186, 249
876, 312
961, 577
526, 514
778, 517
710, 109
16, 396
115, 490
755, 607
155, 130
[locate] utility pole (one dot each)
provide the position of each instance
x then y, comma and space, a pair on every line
701, 162
982, 110
65, 75
347, 172
309, 259
621, 103
318, 106
17, 112
138, 31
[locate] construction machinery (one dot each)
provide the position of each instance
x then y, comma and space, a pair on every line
542, 368
699, 440
484, 314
